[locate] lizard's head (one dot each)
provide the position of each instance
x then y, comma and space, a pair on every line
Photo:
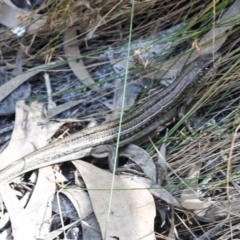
206, 65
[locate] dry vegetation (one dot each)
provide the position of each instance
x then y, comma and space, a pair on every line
203, 164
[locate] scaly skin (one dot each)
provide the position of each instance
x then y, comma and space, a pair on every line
156, 111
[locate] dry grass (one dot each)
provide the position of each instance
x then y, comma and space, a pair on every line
214, 142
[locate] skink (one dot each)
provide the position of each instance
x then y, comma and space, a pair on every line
156, 111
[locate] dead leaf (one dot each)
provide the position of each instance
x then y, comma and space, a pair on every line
31, 130
52, 235
156, 190
63, 107
7, 106
12, 17
15, 82
132, 209
81, 201
23, 92
39, 208
27, 134
75, 62
141, 158
18, 216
